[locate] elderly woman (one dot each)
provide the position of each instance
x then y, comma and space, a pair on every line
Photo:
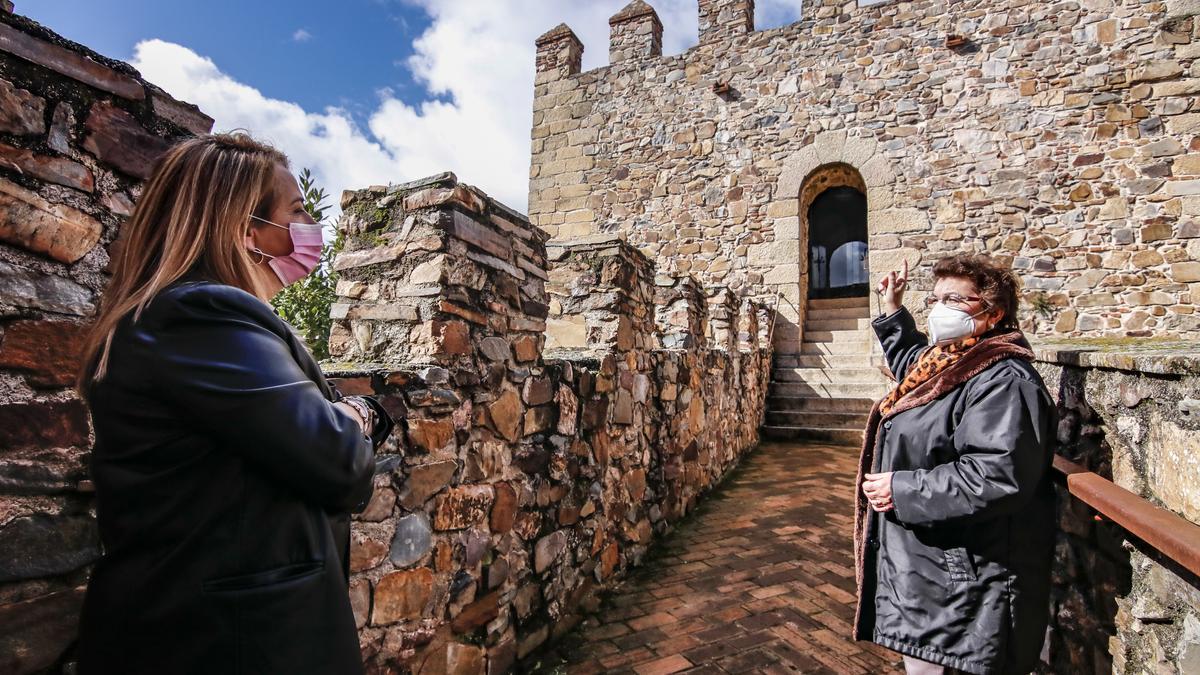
955, 527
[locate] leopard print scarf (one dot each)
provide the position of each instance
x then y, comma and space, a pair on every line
931, 362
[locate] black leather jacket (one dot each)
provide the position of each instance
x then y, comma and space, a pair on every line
224, 478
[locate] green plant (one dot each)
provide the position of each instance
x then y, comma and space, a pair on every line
306, 303
1041, 304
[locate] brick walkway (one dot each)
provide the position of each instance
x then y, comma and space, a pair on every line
759, 580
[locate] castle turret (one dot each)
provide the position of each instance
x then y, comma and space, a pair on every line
559, 53
636, 33
724, 19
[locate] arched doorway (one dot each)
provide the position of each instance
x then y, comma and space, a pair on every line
833, 205
837, 241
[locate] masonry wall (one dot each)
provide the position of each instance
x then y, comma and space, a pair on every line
1058, 136
545, 436
78, 134
1131, 415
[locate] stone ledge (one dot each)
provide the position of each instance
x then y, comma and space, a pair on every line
1157, 357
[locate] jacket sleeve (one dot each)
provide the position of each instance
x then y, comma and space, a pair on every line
1004, 444
232, 377
901, 341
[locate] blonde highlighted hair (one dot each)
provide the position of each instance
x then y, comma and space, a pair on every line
191, 218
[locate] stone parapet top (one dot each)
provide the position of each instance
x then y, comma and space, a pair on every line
634, 10
560, 32
1158, 357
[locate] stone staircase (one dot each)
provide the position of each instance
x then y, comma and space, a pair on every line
824, 393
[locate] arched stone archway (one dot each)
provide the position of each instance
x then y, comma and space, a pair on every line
841, 187
887, 213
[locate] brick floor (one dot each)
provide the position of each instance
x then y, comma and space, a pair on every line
760, 579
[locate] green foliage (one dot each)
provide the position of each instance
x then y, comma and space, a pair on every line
306, 303
1041, 305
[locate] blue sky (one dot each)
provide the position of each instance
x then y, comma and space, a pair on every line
365, 92
314, 53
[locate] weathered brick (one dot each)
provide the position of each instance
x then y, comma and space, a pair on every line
401, 596
53, 169
48, 351
21, 112
55, 230
48, 424
117, 139
66, 62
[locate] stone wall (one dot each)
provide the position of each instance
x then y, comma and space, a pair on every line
78, 134
1133, 417
1058, 136
545, 436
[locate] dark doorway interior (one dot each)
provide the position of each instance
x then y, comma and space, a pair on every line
837, 244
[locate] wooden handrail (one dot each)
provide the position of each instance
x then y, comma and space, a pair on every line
1171, 535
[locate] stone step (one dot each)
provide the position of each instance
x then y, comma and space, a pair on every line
843, 390
844, 437
843, 313
815, 404
839, 303
845, 335
817, 420
828, 361
821, 325
828, 375
861, 347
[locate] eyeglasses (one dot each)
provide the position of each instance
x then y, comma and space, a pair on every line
954, 300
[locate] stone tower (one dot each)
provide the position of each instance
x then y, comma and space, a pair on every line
798, 163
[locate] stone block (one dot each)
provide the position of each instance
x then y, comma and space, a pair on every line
184, 115
402, 596
429, 435
412, 540
42, 545
463, 506
1185, 272
26, 288
36, 632
425, 481
877, 172
897, 220
66, 62
21, 112
45, 424
117, 139
58, 231
47, 351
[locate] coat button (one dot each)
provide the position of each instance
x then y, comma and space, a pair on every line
887, 424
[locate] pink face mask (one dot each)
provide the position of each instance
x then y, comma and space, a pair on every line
305, 256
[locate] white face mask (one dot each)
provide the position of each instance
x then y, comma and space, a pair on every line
947, 324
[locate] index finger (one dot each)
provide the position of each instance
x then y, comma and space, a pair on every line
904, 274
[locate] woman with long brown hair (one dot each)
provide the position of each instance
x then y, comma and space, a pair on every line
225, 465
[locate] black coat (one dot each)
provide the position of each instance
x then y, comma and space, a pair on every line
224, 478
959, 572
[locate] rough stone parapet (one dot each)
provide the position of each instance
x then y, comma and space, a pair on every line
636, 33
78, 134
519, 483
721, 20
1130, 414
681, 311
559, 54
433, 270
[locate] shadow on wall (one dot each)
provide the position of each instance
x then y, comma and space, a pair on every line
1091, 564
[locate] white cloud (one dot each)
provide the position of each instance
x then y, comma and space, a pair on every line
477, 54
301, 35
